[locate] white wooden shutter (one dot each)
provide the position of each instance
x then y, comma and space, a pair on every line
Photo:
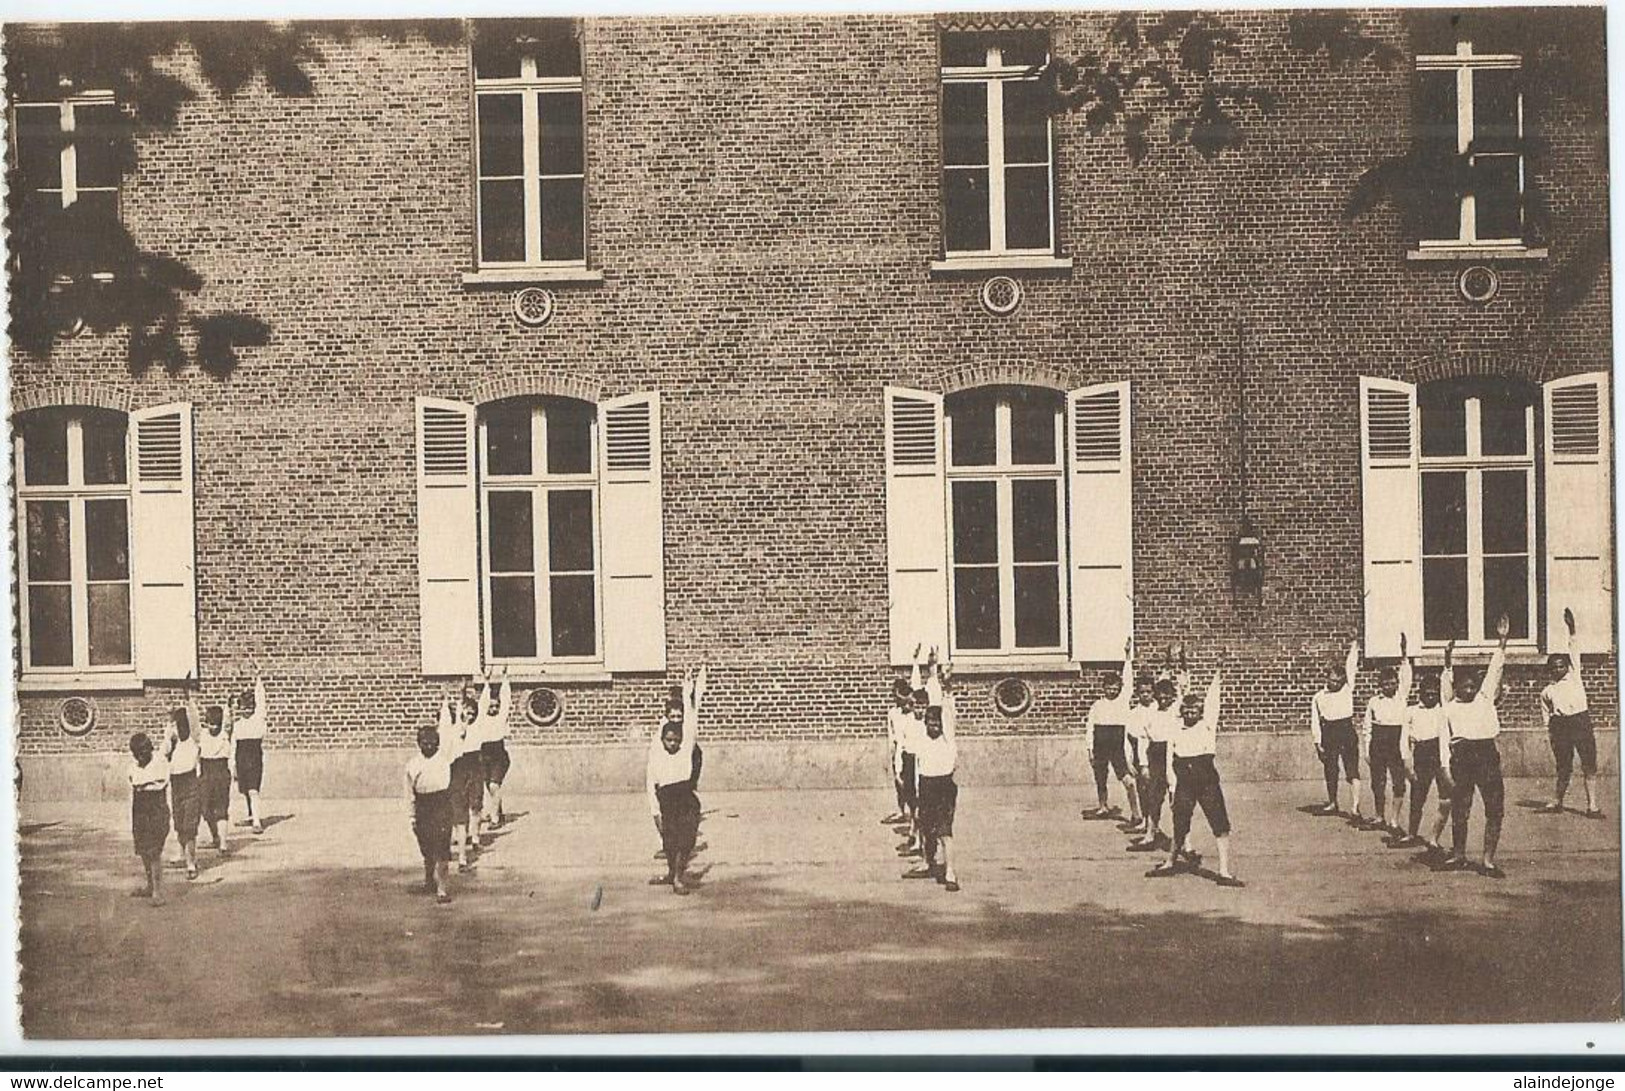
164, 553
1100, 520
1579, 502
916, 523
634, 585
448, 539
1391, 514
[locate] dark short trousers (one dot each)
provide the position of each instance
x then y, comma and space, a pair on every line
149, 822
216, 777
1476, 763
1156, 771
250, 764
1340, 742
431, 821
910, 796
679, 818
187, 801
939, 797
495, 761
1108, 750
1134, 755
1386, 761
1199, 786
1572, 735
1429, 769
467, 788
695, 765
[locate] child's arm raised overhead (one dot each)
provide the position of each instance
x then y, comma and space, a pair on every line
1314, 721
1498, 662
1351, 665
1407, 670
1447, 676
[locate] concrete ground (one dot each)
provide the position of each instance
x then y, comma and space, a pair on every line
801, 922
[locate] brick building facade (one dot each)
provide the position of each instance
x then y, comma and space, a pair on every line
765, 257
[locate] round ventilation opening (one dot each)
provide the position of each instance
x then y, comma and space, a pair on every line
533, 306
1478, 284
1001, 295
77, 716
1012, 696
543, 707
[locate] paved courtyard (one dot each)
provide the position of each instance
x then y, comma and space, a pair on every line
801, 922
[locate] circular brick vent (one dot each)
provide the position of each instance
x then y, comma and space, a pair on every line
1478, 284
77, 716
1001, 295
1012, 696
543, 707
533, 306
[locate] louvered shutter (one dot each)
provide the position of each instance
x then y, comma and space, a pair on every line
1579, 505
916, 523
448, 539
634, 588
163, 546
1391, 514
1100, 520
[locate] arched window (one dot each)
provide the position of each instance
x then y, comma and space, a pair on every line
73, 495
539, 538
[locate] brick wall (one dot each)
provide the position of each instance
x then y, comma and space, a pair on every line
763, 205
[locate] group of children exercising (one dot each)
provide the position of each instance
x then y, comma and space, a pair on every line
1150, 730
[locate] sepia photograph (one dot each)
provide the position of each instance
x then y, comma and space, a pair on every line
784, 521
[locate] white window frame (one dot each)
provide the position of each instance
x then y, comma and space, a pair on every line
994, 75
538, 483
529, 85
1003, 473
1474, 464
1464, 62
68, 176
76, 493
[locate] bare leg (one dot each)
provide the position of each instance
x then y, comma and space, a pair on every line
459, 840
1354, 790
1591, 790
1223, 843
254, 814
442, 880
155, 877
189, 853
1133, 799
945, 850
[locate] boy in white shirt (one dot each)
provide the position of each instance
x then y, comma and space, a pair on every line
248, 736
428, 794
1196, 781
1137, 731
493, 736
1385, 716
670, 783
938, 756
148, 774
1475, 760
1105, 739
214, 773
897, 718
1161, 723
1567, 714
1425, 746
1331, 727
181, 754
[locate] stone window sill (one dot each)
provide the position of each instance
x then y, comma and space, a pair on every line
974, 668
520, 275
542, 676
79, 683
1476, 253
990, 264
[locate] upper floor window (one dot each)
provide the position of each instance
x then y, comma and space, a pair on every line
997, 145
66, 155
530, 162
1470, 104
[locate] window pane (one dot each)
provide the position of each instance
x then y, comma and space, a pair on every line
1444, 599
48, 542
1444, 513
95, 145
976, 522
973, 425
559, 135
1503, 426
965, 201
104, 439
1435, 133
50, 629
1026, 122
496, 54
45, 448
1444, 425
1506, 514
1026, 208
964, 51
502, 136
964, 124
976, 608
1033, 415
556, 48
1506, 591
1499, 205
569, 437
1495, 109
1029, 48
39, 146
109, 624
573, 613
107, 539
507, 438
1038, 606
1034, 509
569, 530
513, 617
563, 220
509, 524
502, 221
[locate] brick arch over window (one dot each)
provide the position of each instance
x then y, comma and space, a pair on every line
98, 395
536, 384
970, 376
1485, 365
